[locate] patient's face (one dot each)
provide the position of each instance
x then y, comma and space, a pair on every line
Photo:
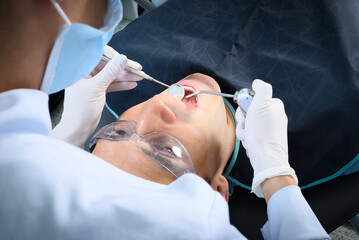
205, 127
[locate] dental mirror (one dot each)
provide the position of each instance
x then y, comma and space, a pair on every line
177, 91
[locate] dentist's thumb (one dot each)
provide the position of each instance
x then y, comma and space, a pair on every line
110, 72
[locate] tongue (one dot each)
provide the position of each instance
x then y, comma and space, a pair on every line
190, 102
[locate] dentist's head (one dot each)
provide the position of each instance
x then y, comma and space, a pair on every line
54, 43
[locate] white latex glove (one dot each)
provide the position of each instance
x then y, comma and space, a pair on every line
263, 133
85, 100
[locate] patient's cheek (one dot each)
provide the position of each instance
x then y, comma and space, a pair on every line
131, 114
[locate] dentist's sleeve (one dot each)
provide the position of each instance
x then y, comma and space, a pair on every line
290, 217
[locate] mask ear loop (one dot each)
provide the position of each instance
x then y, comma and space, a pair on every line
231, 181
61, 12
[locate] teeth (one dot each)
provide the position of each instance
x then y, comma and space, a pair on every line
178, 96
188, 89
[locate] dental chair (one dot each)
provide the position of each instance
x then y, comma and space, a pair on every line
309, 52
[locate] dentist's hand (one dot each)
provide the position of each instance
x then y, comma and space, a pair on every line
263, 133
84, 101
124, 80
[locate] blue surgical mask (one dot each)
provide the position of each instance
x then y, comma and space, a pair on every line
78, 49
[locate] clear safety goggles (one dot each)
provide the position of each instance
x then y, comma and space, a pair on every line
160, 146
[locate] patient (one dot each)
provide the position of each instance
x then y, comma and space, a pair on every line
204, 125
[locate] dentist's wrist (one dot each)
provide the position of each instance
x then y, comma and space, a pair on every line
272, 185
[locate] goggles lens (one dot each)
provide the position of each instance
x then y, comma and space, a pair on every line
160, 146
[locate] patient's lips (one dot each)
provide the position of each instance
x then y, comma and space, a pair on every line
192, 101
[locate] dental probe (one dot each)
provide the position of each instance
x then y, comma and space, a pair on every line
137, 72
242, 97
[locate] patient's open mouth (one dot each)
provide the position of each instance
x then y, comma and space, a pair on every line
192, 101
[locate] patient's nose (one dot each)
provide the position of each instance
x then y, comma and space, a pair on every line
155, 116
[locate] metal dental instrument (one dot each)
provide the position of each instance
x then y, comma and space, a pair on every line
137, 72
242, 97
177, 91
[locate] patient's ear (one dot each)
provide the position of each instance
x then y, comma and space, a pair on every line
220, 184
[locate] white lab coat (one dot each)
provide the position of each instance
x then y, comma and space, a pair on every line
53, 190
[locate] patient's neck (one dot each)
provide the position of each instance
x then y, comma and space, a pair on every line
124, 155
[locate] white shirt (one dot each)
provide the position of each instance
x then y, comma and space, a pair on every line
52, 190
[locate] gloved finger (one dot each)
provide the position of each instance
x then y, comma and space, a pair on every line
248, 154
244, 144
240, 133
134, 65
121, 86
128, 77
279, 109
263, 91
278, 103
110, 52
240, 117
97, 69
110, 72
